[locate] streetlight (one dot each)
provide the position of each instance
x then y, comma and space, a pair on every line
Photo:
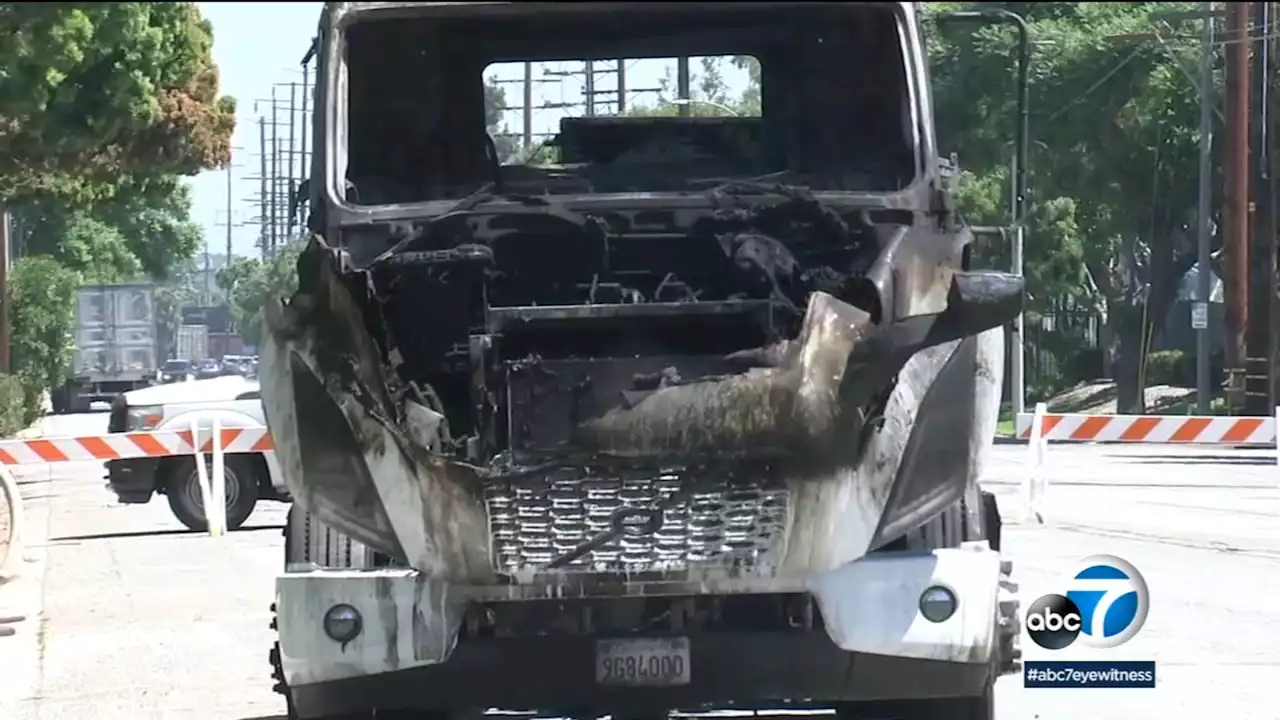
1022, 138
709, 103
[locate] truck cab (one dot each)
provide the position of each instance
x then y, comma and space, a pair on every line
687, 413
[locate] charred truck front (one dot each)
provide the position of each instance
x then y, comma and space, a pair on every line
667, 413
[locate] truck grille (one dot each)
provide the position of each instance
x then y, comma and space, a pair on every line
723, 523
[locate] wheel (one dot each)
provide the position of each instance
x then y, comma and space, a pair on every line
307, 540
182, 487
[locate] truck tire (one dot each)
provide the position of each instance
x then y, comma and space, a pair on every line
182, 487
309, 541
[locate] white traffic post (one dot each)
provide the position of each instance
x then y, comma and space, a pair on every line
202, 473
1277, 427
217, 512
1035, 483
10, 562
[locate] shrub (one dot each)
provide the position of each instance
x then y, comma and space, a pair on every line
13, 406
1169, 367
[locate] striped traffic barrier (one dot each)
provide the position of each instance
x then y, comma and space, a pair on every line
1040, 427
1182, 429
120, 446
215, 441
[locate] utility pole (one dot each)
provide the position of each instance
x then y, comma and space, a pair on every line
306, 119
1260, 365
273, 188
292, 178
622, 86
590, 90
682, 86
1236, 173
5, 247
229, 178
526, 110
264, 238
1200, 313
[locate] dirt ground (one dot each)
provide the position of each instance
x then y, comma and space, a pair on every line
1098, 397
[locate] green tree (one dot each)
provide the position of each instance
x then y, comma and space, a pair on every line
495, 104
41, 296
104, 106
250, 282
144, 229
1113, 167
97, 91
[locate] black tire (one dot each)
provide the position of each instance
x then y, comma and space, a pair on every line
307, 540
182, 487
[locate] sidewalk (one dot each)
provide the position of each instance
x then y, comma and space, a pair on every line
21, 595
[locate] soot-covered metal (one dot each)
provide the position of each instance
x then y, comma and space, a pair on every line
614, 396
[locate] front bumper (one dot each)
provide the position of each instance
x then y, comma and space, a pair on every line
876, 645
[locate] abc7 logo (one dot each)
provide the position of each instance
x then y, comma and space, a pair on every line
1104, 607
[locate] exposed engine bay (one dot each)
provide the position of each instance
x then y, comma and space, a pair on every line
606, 368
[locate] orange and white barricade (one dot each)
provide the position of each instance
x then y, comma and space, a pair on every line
214, 440
1040, 427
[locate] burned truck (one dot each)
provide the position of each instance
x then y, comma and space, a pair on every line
686, 412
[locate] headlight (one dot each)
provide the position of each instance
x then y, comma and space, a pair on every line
342, 623
144, 418
937, 604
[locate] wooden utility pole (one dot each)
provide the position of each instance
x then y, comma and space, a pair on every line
5, 247
1260, 362
1236, 239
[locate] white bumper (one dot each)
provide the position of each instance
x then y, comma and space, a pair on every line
868, 606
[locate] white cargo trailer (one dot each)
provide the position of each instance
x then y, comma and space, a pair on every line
115, 344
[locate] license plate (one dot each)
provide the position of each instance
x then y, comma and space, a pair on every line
643, 661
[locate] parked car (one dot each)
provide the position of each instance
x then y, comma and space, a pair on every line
176, 371
208, 369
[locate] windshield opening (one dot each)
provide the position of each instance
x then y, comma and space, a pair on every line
434, 105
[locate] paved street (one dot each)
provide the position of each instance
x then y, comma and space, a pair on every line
131, 618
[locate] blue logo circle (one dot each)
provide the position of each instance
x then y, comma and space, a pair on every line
1112, 599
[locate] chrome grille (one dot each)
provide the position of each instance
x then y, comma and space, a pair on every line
720, 523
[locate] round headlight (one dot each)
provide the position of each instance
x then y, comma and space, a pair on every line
937, 603
342, 623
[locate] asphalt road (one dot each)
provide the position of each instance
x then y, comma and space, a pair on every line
129, 617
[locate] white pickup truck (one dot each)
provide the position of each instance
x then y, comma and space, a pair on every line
234, 401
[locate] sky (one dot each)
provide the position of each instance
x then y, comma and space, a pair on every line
260, 45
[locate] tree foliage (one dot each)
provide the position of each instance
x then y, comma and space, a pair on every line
41, 296
1113, 168
104, 108
250, 282
96, 91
